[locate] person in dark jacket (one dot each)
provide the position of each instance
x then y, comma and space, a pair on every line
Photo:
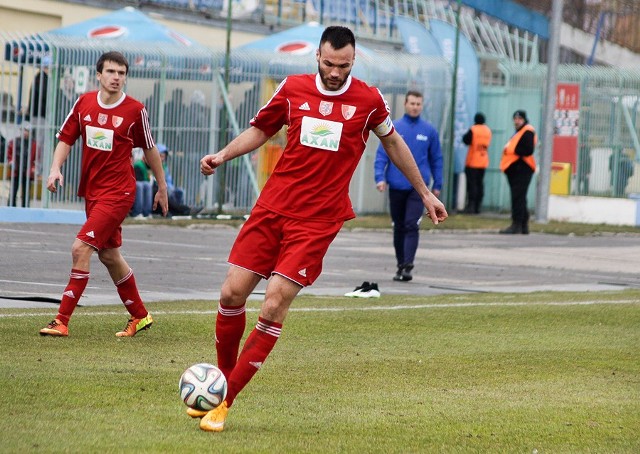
21, 156
518, 164
405, 204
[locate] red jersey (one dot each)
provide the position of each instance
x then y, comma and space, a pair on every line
327, 134
109, 134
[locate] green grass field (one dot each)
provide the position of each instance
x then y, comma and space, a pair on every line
512, 373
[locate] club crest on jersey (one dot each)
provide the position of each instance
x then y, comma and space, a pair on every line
116, 121
325, 108
102, 119
348, 111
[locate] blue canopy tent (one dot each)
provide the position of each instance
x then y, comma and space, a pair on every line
160, 62
302, 41
153, 50
124, 25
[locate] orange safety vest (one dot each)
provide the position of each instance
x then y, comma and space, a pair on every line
509, 155
478, 154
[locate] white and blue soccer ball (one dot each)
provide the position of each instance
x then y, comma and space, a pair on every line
203, 387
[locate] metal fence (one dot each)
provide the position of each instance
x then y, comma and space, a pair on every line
607, 155
190, 111
193, 114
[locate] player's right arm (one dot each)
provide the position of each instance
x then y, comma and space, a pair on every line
250, 139
55, 174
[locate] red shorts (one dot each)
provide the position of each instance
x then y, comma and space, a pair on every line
103, 228
270, 243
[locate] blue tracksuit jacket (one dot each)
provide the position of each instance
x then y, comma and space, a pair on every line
424, 143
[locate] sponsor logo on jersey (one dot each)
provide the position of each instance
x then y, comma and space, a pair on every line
69, 293
325, 108
348, 111
322, 134
102, 119
99, 138
116, 121
90, 234
422, 137
305, 106
303, 272
87, 118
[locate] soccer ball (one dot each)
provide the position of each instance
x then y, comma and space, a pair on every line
203, 387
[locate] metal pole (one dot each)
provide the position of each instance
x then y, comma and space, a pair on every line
542, 196
223, 136
451, 203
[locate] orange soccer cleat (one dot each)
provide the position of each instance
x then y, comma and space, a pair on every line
134, 325
214, 420
55, 328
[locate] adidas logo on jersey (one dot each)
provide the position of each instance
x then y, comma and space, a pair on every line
69, 293
305, 106
256, 364
303, 272
91, 234
87, 118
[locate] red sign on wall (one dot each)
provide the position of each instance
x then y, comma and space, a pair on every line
566, 120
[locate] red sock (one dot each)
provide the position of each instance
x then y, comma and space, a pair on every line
230, 324
78, 280
255, 351
128, 291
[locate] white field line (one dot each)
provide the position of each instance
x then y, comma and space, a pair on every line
352, 309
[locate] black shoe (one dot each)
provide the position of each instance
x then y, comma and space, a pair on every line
195, 210
358, 289
406, 272
371, 291
512, 229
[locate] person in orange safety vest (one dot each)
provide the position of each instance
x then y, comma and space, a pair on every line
478, 137
518, 164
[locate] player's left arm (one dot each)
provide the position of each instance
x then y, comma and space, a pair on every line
401, 156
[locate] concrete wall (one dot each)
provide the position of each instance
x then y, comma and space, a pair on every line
594, 210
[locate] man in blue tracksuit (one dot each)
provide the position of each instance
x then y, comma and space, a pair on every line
405, 204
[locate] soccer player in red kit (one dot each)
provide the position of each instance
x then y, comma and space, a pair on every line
110, 124
303, 204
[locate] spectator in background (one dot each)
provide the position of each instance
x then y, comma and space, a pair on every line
177, 207
405, 204
518, 164
143, 203
620, 175
478, 137
21, 156
36, 110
